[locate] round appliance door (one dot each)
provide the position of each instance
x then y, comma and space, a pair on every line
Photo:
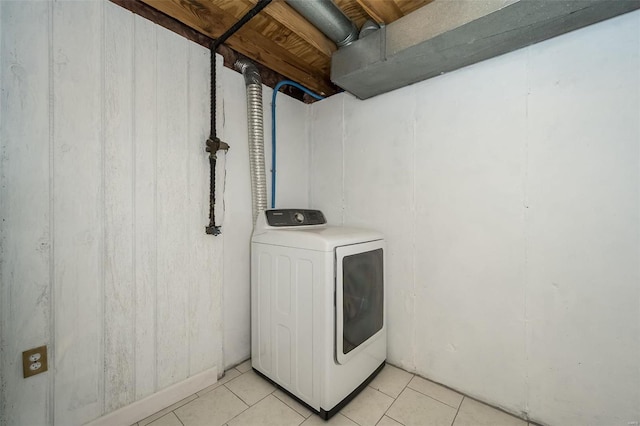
360, 304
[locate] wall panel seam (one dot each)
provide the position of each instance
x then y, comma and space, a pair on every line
134, 283
155, 210
102, 356
525, 218
342, 198
52, 322
2, 231
187, 110
413, 235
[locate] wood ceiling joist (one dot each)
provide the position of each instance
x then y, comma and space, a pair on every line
285, 15
270, 78
212, 20
295, 45
276, 31
279, 38
381, 11
353, 10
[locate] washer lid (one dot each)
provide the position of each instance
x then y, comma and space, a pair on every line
324, 238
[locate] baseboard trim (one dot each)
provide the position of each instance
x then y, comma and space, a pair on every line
145, 407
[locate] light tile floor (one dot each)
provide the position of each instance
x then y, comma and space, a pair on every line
394, 397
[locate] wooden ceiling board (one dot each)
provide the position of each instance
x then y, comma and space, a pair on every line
299, 50
295, 44
283, 35
236, 8
277, 58
285, 15
353, 10
381, 11
278, 37
210, 19
190, 13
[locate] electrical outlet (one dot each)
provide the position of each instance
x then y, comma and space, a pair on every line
34, 361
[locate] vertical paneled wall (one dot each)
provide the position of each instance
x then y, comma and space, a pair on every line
26, 248
103, 201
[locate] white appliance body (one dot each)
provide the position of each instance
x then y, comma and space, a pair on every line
299, 340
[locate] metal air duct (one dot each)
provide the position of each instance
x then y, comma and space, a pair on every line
256, 135
445, 35
328, 18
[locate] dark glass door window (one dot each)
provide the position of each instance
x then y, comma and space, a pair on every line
363, 297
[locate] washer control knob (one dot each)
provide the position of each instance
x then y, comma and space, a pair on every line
298, 217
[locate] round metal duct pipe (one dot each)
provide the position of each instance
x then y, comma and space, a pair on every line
328, 18
256, 135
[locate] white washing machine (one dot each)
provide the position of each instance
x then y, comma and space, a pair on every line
318, 314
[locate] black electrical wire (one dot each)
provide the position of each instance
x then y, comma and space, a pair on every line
214, 46
214, 143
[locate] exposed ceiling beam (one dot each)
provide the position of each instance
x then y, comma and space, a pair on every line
269, 77
212, 20
285, 15
381, 11
278, 38
353, 11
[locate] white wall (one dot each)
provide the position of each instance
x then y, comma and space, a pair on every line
291, 191
104, 199
509, 194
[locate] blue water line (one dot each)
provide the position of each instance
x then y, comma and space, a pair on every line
273, 130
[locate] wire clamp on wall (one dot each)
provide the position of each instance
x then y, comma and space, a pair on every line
213, 146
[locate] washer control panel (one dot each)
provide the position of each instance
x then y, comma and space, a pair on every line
294, 217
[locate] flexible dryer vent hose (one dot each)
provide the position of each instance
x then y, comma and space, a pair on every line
256, 135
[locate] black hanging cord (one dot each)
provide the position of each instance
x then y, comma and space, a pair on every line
214, 144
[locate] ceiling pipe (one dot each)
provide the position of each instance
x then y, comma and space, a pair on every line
328, 18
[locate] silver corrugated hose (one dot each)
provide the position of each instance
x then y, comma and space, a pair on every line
256, 135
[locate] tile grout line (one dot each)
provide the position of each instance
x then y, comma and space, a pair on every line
415, 390
391, 396
434, 398
495, 408
177, 417
458, 411
458, 408
340, 412
172, 411
394, 401
248, 406
285, 403
219, 383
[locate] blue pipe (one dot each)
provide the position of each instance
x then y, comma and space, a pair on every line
273, 130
